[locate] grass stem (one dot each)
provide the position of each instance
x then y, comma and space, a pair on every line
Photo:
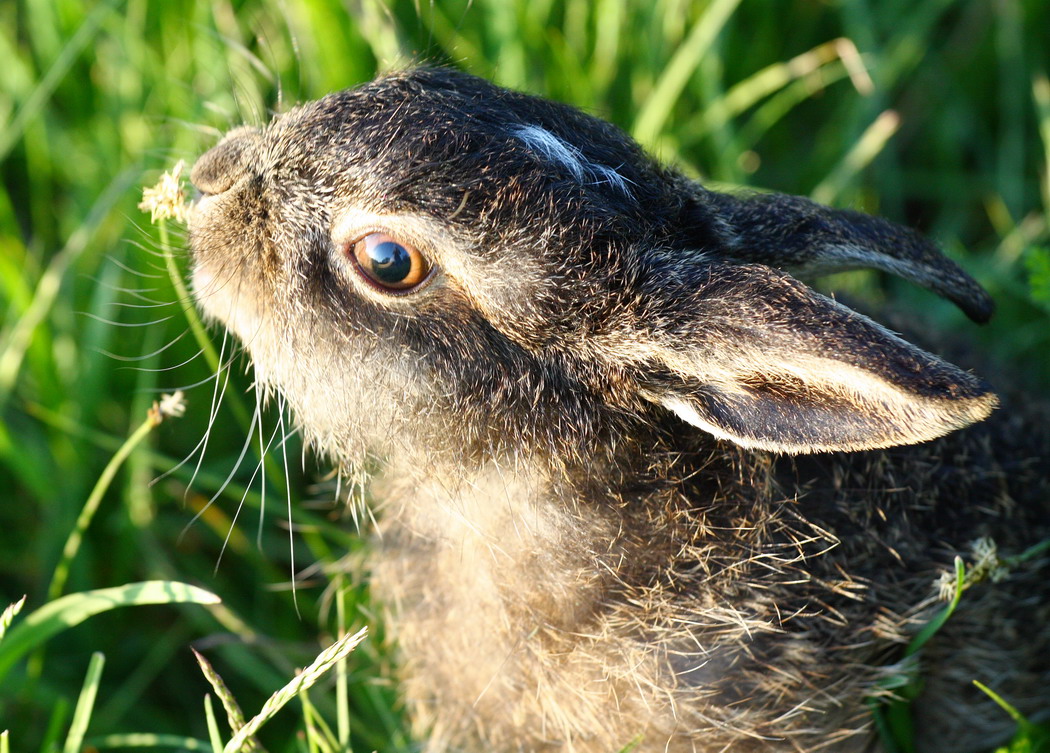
169, 406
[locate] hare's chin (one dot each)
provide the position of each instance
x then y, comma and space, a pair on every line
228, 303
198, 210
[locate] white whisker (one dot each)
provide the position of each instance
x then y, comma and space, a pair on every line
150, 305
222, 488
288, 498
112, 323
146, 356
216, 399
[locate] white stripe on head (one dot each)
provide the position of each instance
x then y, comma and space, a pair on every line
551, 148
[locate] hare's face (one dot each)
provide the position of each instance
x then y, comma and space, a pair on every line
398, 259
430, 262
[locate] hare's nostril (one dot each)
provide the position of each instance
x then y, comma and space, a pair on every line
224, 165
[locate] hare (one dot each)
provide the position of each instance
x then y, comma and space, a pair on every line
639, 484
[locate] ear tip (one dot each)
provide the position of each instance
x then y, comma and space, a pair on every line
976, 304
950, 415
959, 415
966, 389
983, 406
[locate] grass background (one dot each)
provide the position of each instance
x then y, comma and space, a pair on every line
932, 112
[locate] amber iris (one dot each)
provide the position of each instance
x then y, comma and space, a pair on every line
388, 264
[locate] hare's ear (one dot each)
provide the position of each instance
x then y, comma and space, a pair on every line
753, 356
809, 240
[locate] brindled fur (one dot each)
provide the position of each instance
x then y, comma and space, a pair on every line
638, 482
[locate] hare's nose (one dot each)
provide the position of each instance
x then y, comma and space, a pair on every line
222, 166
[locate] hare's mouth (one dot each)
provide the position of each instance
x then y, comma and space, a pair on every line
204, 207
200, 203
225, 298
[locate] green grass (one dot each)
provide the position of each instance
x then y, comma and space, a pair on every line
932, 112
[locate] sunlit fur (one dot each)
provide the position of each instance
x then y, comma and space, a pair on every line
585, 539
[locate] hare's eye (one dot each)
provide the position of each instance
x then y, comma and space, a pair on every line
389, 265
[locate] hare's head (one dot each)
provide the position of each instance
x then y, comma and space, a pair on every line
432, 262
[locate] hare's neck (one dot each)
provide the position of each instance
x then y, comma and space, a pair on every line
513, 588
505, 539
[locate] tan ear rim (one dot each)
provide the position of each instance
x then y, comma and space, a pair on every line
929, 425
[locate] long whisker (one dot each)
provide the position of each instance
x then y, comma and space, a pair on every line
260, 467
150, 305
224, 368
133, 292
177, 366
216, 398
135, 272
288, 497
226, 483
339, 488
185, 387
147, 356
110, 322
264, 449
222, 488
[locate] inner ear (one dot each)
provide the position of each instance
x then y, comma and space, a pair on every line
769, 364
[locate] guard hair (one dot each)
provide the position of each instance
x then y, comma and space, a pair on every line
637, 482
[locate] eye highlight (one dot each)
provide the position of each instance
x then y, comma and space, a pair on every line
389, 265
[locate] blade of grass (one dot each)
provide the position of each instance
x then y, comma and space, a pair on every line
1041, 96
1010, 157
56, 724
872, 142
455, 41
214, 735
172, 406
341, 696
234, 715
780, 104
766, 82
930, 628
46, 86
609, 19
380, 31
657, 109
1030, 737
85, 704
319, 729
67, 611
145, 740
9, 615
1001, 703
322, 664
890, 703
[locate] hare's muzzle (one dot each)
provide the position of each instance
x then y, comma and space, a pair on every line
227, 163
225, 233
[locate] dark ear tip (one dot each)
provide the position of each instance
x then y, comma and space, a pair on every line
979, 308
966, 293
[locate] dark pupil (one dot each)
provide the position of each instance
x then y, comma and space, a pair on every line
391, 262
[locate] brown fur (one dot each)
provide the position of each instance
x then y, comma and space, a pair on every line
583, 539
717, 612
